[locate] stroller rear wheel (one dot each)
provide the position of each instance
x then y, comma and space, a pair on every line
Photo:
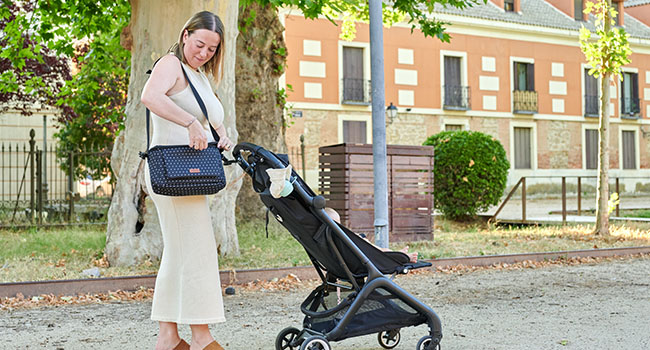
315, 343
389, 339
287, 339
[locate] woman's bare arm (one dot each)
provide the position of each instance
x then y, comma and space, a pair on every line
167, 78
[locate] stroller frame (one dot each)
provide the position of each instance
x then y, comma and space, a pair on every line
363, 285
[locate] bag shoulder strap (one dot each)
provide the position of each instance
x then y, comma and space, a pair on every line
198, 99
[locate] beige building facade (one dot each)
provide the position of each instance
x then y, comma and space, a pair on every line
513, 69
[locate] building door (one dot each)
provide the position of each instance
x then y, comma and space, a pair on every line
629, 149
523, 148
591, 148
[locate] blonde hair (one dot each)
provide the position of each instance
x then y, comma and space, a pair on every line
210, 21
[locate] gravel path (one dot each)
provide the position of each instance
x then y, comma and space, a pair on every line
588, 306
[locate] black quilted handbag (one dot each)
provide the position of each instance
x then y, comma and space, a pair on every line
179, 170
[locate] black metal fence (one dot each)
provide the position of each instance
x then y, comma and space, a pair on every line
52, 186
456, 97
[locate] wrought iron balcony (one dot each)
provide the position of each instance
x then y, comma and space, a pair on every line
456, 97
524, 102
355, 91
592, 106
630, 107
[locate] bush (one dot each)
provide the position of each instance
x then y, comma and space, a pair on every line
470, 172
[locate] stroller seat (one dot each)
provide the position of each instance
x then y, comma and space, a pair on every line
356, 296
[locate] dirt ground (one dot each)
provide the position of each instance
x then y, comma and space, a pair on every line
588, 306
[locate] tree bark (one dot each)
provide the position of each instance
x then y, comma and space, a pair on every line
602, 196
133, 232
261, 56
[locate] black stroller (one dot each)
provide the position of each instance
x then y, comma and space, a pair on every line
356, 297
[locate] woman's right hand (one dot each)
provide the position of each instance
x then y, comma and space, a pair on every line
198, 140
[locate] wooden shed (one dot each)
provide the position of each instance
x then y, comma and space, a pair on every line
346, 181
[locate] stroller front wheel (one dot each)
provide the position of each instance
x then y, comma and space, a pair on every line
315, 343
286, 339
426, 343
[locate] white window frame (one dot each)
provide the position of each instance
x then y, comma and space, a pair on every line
366, 62
453, 121
463, 69
619, 89
355, 117
584, 66
514, 59
637, 156
533, 143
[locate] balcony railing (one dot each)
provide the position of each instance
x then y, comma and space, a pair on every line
524, 101
456, 97
356, 91
630, 107
592, 106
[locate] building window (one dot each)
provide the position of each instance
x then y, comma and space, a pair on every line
509, 5
453, 127
354, 131
592, 107
524, 94
577, 10
523, 148
629, 149
591, 149
355, 87
630, 95
456, 95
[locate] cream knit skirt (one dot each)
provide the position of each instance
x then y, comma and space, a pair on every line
188, 289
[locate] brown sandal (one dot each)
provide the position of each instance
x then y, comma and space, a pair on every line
214, 346
183, 345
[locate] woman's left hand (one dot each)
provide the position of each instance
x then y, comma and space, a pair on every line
225, 143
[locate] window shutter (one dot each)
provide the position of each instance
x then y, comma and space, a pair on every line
629, 151
515, 77
530, 78
591, 149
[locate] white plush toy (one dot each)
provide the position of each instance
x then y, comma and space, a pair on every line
280, 185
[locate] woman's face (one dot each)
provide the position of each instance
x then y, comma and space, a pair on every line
200, 46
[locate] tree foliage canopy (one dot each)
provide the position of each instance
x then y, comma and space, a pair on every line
418, 13
611, 50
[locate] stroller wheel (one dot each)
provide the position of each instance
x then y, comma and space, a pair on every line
426, 343
315, 343
389, 339
287, 339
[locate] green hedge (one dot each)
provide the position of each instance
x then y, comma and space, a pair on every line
470, 172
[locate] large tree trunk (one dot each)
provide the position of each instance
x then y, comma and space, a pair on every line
261, 55
133, 232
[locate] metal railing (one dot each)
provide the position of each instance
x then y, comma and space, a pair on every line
297, 158
524, 101
630, 107
355, 91
592, 106
456, 97
53, 186
578, 189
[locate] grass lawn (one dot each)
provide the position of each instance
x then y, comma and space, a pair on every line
63, 253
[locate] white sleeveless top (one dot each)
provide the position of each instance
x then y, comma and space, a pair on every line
166, 132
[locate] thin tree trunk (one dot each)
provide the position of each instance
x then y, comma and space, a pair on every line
602, 196
133, 232
260, 63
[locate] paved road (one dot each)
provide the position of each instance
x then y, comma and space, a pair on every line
588, 306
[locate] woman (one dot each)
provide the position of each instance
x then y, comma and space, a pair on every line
188, 290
